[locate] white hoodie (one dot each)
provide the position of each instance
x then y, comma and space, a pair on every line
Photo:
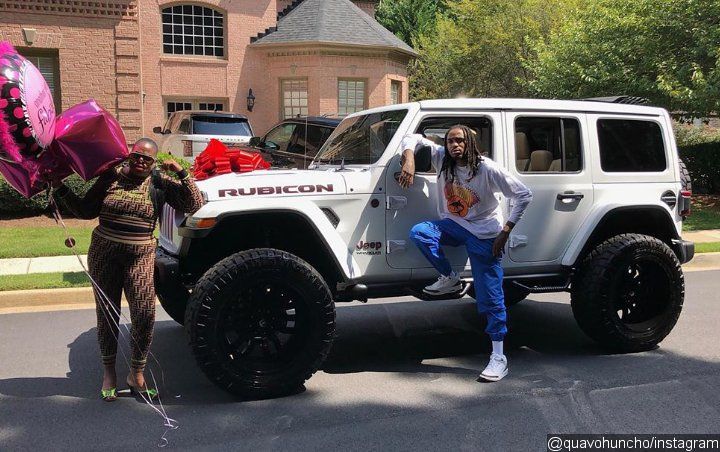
472, 204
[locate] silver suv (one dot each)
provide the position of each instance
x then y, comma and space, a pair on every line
255, 274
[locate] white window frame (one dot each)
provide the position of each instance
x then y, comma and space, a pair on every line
351, 103
202, 27
194, 104
293, 100
398, 96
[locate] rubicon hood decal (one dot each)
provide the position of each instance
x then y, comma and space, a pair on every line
291, 189
270, 183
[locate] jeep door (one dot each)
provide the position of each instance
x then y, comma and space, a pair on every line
407, 207
549, 153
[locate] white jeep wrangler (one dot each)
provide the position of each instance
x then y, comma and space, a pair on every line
255, 274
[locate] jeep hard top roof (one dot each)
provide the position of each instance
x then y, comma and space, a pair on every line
586, 106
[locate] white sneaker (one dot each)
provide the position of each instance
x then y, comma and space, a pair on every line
496, 369
444, 285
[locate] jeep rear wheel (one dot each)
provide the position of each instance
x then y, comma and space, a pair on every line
260, 323
628, 292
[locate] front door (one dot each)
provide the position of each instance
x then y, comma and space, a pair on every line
549, 153
407, 207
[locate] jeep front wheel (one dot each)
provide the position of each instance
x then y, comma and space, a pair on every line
628, 292
260, 323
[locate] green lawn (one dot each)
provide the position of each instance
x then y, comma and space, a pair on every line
702, 219
43, 281
41, 241
711, 247
705, 213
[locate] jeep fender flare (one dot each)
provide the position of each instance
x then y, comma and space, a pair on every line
308, 211
600, 217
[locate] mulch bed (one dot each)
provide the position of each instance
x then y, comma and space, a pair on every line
711, 202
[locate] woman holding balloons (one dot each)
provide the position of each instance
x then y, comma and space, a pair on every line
122, 251
38, 149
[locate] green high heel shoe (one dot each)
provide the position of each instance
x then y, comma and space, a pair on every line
149, 394
108, 395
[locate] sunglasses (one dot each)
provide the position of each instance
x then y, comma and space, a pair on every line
142, 158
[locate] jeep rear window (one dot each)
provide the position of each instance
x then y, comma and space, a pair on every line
361, 139
219, 125
628, 145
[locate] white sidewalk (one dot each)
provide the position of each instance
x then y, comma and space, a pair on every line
55, 264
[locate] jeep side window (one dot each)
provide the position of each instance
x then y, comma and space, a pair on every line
631, 146
547, 145
436, 128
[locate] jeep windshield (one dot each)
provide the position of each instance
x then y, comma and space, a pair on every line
361, 139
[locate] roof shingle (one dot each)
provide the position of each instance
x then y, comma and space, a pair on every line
332, 21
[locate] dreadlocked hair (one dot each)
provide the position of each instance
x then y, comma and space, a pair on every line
472, 153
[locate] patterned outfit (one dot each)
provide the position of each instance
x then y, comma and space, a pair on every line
122, 250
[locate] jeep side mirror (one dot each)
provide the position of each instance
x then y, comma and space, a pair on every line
254, 141
423, 160
158, 130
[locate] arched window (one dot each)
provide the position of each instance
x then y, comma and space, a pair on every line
193, 30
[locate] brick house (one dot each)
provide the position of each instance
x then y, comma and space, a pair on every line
142, 59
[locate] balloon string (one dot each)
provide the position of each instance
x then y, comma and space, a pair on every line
110, 312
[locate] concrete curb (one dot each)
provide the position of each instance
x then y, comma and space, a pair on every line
12, 301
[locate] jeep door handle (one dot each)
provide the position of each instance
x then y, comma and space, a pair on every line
570, 196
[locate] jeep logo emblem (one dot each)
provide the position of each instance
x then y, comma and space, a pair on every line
224, 192
368, 248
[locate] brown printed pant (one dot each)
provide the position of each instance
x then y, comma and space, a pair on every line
116, 267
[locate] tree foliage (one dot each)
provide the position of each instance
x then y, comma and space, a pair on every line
665, 50
409, 19
478, 47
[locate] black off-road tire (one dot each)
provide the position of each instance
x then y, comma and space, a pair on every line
685, 179
628, 292
260, 323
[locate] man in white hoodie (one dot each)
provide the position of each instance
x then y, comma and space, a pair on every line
470, 216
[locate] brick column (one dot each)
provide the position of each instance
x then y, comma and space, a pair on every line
127, 81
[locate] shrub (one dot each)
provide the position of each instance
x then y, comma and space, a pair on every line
703, 162
13, 204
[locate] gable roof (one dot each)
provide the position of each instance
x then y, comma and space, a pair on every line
334, 22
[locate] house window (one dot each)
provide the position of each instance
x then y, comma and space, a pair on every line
47, 63
181, 105
395, 92
210, 106
193, 30
351, 96
294, 98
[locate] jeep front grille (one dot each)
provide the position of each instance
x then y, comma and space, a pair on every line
166, 223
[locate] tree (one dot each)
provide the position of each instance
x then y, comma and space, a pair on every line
478, 47
665, 50
408, 19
